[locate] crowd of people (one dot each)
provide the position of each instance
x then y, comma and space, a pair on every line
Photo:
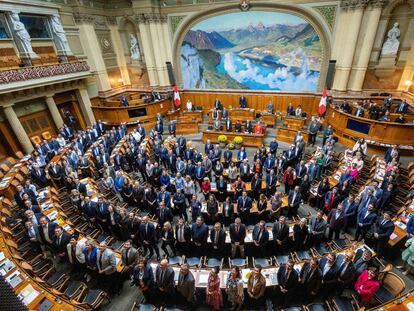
176, 198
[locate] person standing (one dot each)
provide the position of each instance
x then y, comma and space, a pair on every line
214, 297
186, 287
336, 222
164, 281
288, 280
143, 278
310, 278
106, 265
237, 236
256, 287
234, 289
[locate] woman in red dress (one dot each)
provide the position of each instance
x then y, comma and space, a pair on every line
213, 292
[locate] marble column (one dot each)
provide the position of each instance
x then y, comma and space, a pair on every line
157, 47
148, 51
348, 45
92, 50
164, 48
120, 53
364, 47
85, 105
18, 128
167, 40
54, 111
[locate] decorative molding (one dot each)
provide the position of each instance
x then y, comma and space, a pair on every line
175, 21
151, 17
111, 20
354, 4
328, 13
378, 3
81, 18
23, 74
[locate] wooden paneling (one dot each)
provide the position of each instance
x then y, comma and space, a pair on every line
37, 123
255, 100
382, 132
192, 115
186, 127
288, 134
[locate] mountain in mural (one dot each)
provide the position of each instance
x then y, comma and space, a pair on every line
202, 40
246, 51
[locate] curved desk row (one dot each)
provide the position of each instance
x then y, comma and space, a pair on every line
348, 128
144, 113
249, 140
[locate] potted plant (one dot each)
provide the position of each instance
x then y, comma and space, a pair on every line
238, 142
230, 146
222, 139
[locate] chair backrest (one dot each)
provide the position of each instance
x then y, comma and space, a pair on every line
46, 135
19, 154
35, 140
393, 283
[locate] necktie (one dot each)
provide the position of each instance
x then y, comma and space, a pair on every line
100, 260
216, 238
126, 256
162, 276
237, 229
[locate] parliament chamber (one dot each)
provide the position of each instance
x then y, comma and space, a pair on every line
207, 155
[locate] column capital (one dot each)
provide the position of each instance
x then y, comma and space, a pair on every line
8, 105
49, 96
82, 18
111, 21
378, 4
354, 4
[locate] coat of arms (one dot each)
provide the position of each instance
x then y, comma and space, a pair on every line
244, 5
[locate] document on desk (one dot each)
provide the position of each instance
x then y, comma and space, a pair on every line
2, 256
14, 279
29, 294
203, 278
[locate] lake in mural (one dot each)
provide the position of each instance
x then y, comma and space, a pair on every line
253, 50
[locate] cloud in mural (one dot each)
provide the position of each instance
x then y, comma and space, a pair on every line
283, 53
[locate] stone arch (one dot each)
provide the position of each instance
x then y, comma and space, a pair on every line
306, 13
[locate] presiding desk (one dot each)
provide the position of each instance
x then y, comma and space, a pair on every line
186, 127
295, 123
131, 115
249, 140
269, 119
241, 114
288, 135
192, 115
349, 128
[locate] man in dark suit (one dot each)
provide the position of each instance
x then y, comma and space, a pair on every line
218, 240
227, 157
129, 256
346, 272
317, 228
30, 206
182, 237
243, 102
244, 169
147, 236
217, 104
288, 280
366, 219
163, 214
273, 147
164, 282
130, 228
186, 287
60, 242
336, 222
32, 232
80, 187
199, 235
39, 176
244, 205
172, 128
55, 172
271, 180
280, 232
19, 196
382, 232
329, 267
229, 125
310, 278
47, 232
89, 210
294, 200
402, 107
260, 238
102, 213
237, 235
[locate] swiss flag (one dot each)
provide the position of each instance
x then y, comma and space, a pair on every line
322, 103
177, 100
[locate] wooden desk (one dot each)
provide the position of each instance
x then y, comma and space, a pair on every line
242, 114
192, 115
117, 115
249, 140
288, 135
186, 127
269, 119
348, 128
295, 123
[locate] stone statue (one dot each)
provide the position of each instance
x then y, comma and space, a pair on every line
59, 35
134, 47
392, 43
21, 35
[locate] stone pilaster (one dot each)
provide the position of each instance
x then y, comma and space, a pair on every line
85, 105
18, 128
54, 111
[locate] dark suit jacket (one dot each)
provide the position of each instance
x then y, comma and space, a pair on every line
279, 233
287, 283
51, 232
164, 216
345, 274
264, 238
312, 281
384, 230
331, 275
221, 238
298, 198
167, 283
61, 247
148, 277
187, 233
147, 235
247, 204
237, 237
336, 224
